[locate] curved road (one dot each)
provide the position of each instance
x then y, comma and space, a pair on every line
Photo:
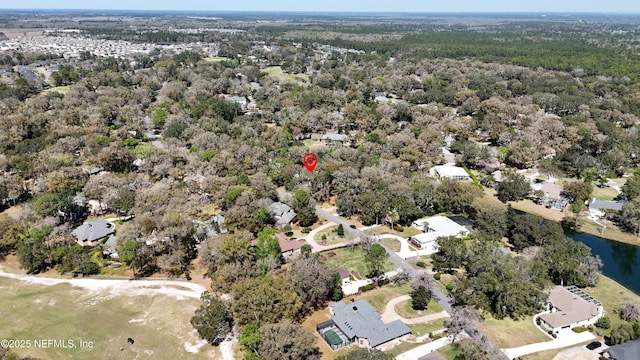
390, 313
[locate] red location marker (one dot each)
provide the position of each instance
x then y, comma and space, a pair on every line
310, 161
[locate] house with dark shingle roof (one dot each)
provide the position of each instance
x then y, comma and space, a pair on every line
282, 213
628, 350
360, 323
93, 232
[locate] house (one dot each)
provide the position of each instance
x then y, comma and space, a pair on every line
450, 172
360, 323
288, 248
333, 138
93, 232
282, 213
432, 228
599, 208
240, 100
624, 351
569, 307
110, 247
205, 229
552, 195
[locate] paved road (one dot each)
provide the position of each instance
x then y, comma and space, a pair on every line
438, 295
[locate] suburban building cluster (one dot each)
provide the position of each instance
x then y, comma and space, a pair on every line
69, 45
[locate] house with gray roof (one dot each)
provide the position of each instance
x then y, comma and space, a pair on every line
625, 351
360, 323
93, 232
599, 208
334, 138
282, 213
569, 307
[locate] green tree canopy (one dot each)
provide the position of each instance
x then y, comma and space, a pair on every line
264, 300
375, 258
212, 319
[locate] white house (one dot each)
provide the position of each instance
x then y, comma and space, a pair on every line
570, 307
450, 172
432, 228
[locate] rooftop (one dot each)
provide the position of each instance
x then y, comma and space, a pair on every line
362, 320
603, 204
449, 171
93, 231
572, 304
438, 226
335, 137
624, 351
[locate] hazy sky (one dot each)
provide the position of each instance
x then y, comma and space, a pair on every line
619, 6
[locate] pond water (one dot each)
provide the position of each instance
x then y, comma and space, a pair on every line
621, 261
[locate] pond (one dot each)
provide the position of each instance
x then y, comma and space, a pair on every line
621, 261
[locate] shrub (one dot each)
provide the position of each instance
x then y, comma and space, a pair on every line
579, 329
421, 264
306, 230
366, 288
449, 287
436, 276
383, 282
340, 230
398, 228
604, 323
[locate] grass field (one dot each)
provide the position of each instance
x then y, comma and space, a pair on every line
604, 193
405, 310
278, 73
611, 294
64, 90
450, 351
352, 260
331, 235
507, 333
425, 329
378, 298
214, 59
383, 229
158, 324
392, 244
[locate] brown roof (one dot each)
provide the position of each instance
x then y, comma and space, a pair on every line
552, 190
344, 273
292, 245
571, 308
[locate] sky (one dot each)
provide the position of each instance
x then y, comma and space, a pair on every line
616, 6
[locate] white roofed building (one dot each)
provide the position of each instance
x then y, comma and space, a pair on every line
433, 228
450, 172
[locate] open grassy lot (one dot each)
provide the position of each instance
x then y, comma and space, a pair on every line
450, 352
64, 90
215, 59
383, 229
425, 329
405, 310
159, 324
393, 244
507, 333
543, 355
352, 260
611, 294
604, 193
331, 236
276, 71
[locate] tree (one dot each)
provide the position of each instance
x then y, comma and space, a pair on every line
335, 292
10, 231
420, 298
489, 220
306, 250
32, 251
303, 206
392, 217
514, 187
603, 323
451, 253
264, 300
375, 258
286, 341
212, 319
127, 253
312, 281
578, 191
340, 230
457, 196
365, 354
631, 188
631, 215
123, 203
629, 311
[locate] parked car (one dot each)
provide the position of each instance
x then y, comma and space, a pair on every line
353, 226
594, 345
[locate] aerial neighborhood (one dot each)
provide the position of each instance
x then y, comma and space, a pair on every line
267, 186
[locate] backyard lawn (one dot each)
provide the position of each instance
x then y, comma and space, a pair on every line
331, 236
407, 231
378, 298
276, 71
352, 260
611, 294
425, 329
450, 352
507, 333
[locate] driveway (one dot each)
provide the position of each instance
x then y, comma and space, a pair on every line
578, 353
405, 251
317, 247
565, 338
